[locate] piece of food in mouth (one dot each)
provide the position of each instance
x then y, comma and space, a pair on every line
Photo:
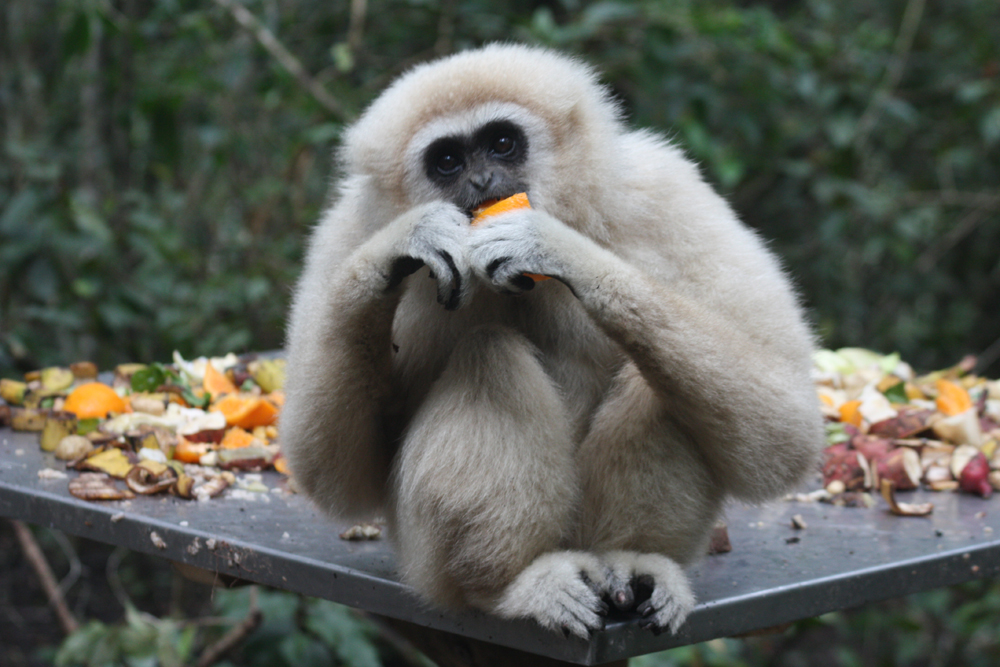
493, 207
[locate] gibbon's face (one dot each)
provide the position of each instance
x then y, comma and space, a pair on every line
488, 163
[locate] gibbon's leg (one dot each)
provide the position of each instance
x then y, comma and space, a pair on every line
649, 502
487, 490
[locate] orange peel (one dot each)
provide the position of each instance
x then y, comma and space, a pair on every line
494, 208
246, 411
94, 400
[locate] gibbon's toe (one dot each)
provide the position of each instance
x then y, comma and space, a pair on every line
667, 607
561, 592
656, 582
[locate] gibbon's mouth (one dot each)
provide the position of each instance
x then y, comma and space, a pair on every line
484, 204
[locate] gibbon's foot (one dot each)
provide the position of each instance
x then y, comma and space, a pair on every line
561, 591
656, 581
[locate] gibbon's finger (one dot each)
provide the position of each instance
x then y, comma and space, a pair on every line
400, 269
577, 624
449, 280
493, 266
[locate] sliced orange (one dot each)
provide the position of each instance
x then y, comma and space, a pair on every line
191, 452
215, 383
236, 438
512, 203
94, 400
246, 410
952, 398
850, 413
281, 464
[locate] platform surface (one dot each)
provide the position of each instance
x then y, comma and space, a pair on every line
774, 574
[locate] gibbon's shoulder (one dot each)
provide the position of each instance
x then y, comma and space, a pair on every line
562, 91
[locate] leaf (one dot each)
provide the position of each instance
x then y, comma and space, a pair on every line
340, 629
88, 220
304, 651
148, 379
77, 648
897, 393
989, 126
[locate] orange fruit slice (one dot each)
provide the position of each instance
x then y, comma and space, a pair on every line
191, 452
494, 208
94, 400
236, 438
512, 203
216, 383
246, 411
850, 413
952, 398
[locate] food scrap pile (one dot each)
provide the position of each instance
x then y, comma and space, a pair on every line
182, 428
889, 429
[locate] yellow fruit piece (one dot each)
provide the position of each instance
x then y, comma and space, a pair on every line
111, 461
913, 392
94, 400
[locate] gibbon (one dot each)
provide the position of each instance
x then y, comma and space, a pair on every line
540, 449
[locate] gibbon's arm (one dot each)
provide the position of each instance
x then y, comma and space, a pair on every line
734, 379
339, 344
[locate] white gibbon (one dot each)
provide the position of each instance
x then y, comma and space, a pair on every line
539, 450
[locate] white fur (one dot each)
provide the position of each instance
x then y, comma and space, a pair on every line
535, 452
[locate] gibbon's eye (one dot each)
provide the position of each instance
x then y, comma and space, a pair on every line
503, 145
448, 164
444, 158
502, 140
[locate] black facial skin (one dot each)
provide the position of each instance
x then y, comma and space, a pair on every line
486, 165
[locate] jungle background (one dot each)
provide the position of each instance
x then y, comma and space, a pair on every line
162, 161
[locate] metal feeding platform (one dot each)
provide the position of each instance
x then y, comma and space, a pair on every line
774, 574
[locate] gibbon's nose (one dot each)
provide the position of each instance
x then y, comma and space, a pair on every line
481, 180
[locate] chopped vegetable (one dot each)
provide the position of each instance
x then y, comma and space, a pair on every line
903, 509
56, 378
111, 461
57, 426
73, 447
149, 477
28, 419
269, 374
13, 391
97, 486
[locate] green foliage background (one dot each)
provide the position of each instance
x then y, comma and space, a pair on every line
160, 168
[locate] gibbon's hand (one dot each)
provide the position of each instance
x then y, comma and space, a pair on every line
435, 235
504, 248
